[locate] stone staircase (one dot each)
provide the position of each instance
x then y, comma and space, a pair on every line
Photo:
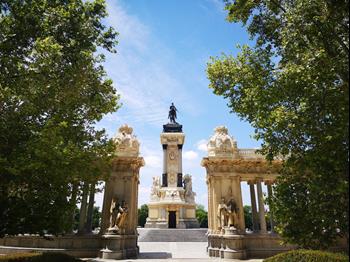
172, 235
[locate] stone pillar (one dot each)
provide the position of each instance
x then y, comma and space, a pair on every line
225, 209
239, 200
165, 163
90, 210
179, 174
209, 204
120, 237
83, 206
253, 204
73, 203
270, 194
263, 229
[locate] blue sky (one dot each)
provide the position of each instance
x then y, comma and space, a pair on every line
162, 54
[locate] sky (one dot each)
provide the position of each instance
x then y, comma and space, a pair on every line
161, 58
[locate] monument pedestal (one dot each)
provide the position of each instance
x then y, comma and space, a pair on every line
119, 246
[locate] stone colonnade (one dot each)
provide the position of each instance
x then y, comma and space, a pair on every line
227, 167
86, 207
258, 218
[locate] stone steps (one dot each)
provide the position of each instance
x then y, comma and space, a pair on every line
172, 235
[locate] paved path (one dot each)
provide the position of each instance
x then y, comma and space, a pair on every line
175, 251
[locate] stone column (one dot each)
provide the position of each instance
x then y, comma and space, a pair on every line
83, 206
73, 202
165, 164
238, 190
209, 204
263, 229
179, 174
254, 208
90, 210
270, 194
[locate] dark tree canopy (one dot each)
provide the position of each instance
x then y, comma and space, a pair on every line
142, 215
53, 89
293, 88
202, 216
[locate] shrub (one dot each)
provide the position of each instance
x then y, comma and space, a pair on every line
38, 257
19, 257
308, 256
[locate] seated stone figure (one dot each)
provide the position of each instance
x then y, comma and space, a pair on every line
118, 214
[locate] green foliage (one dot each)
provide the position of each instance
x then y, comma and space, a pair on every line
293, 88
142, 215
96, 218
37, 257
53, 90
19, 257
308, 256
248, 217
202, 216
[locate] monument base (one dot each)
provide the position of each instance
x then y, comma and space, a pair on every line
234, 246
179, 215
119, 246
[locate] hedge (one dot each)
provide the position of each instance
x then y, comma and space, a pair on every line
308, 256
38, 257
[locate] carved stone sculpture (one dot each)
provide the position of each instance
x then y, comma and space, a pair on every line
189, 194
118, 213
155, 193
221, 144
114, 210
222, 214
227, 214
122, 215
126, 143
232, 212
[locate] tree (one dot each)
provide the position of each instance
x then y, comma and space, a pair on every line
293, 88
202, 216
96, 218
248, 217
53, 90
142, 215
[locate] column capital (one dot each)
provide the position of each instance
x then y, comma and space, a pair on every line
259, 179
251, 182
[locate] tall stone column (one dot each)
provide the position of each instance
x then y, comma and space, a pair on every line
165, 163
210, 204
239, 201
179, 174
120, 200
270, 194
263, 229
251, 184
83, 209
90, 210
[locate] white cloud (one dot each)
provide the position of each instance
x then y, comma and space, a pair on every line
129, 27
202, 145
153, 161
190, 155
142, 72
144, 195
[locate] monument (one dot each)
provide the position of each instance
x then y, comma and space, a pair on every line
227, 167
172, 203
119, 213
